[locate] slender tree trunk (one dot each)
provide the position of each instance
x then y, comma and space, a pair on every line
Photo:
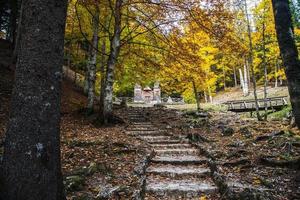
289, 52
224, 77
106, 114
276, 73
246, 79
247, 73
251, 63
196, 95
205, 97
92, 63
235, 77
242, 82
31, 161
210, 95
265, 68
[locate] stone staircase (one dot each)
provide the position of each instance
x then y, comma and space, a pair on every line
178, 170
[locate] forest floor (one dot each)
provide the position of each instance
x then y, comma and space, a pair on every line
98, 160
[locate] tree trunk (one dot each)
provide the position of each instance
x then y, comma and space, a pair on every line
92, 63
115, 45
246, 80
13, 20
289, 52
235, 77
196, 96
251, 63
205, 97
31, 161
224, 77
276, 73
265, 68
242, 82
102, 71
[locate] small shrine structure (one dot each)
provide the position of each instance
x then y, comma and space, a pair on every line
147, 95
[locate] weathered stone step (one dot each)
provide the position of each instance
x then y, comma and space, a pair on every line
156, 133
141, 124
142, 129
175, 170
138, 120
179, 159
182, 151
171, 146
145, 132
172, 141
188, 188
154, 138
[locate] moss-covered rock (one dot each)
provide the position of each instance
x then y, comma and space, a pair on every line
74, 183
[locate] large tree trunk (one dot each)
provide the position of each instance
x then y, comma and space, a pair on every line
31, 161
93, 62
289, 52
106, 114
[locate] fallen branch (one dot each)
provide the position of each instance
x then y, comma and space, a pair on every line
270, 136
234, 163
294, 164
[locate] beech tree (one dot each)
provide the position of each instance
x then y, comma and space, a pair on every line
289, 52
31, 160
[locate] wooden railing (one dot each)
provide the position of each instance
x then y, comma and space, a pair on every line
273, 103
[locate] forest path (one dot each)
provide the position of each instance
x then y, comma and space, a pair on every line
178, 170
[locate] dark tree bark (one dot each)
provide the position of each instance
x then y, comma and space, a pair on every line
115, 45
102, 70
92, 63
31, 161
289, 52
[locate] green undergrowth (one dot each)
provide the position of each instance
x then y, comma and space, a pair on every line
282, 114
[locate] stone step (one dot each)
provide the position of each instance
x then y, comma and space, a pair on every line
136, 117
171, 146
141, 123
153, 138
156, 133
146, 125
182, 151
179, 159
172, 141
178, 170
142, 129
188, 188
138, 120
